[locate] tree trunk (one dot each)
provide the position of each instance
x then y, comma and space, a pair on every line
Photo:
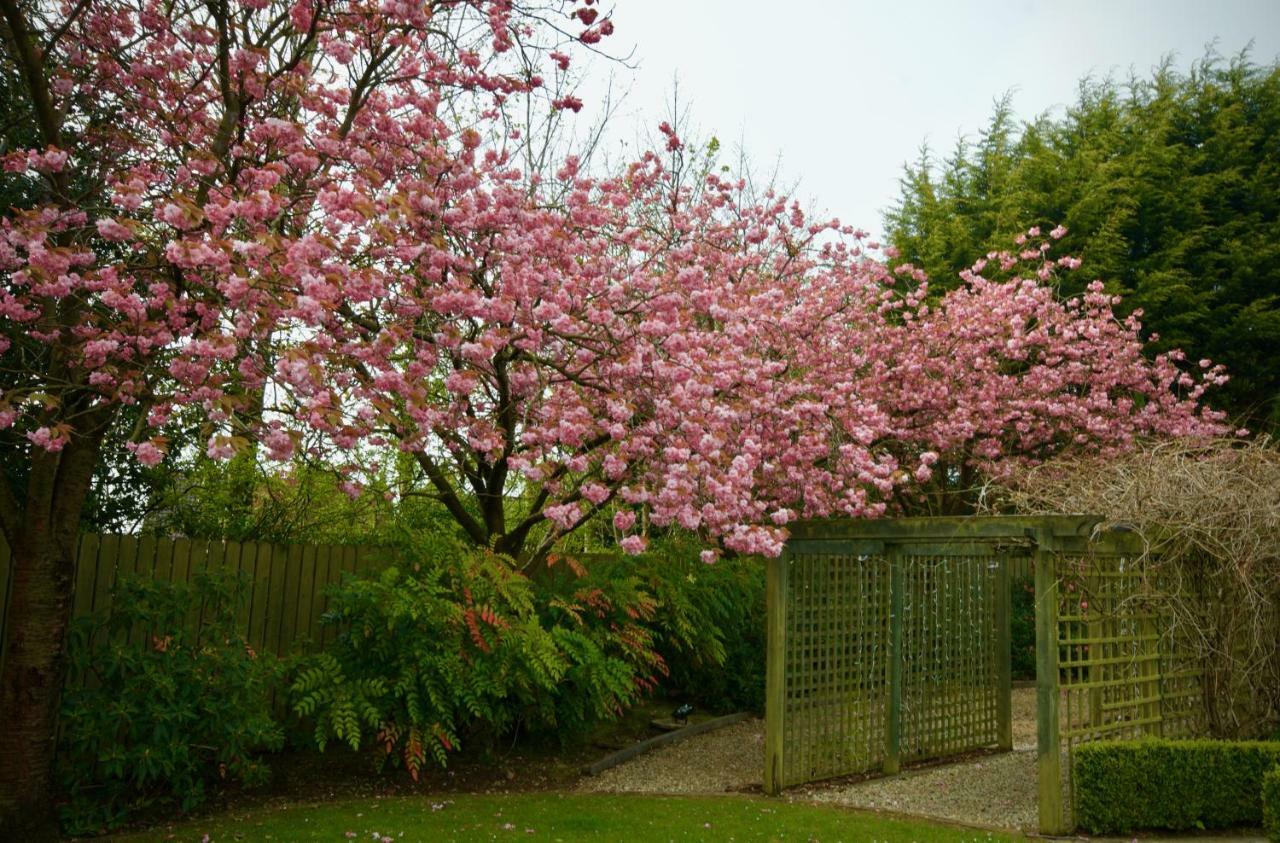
43, 570
42, 527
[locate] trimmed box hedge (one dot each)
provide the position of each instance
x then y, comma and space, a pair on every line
1121, 786
1271, 804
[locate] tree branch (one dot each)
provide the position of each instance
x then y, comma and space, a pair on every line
32, 64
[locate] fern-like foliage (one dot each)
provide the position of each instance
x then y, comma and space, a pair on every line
453, 646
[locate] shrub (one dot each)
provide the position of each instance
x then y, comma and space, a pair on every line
1271, 805
709, 627
155, 712
1022, 628
459, 644
1121, 786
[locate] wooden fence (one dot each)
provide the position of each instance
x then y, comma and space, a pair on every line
287, 591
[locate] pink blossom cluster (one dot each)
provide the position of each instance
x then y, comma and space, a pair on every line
623, 343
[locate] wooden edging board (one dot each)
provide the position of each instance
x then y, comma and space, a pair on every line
661, 740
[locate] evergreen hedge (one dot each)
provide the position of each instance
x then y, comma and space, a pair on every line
1271, 804
1171, 784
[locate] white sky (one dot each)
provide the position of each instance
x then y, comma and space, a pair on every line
842, 92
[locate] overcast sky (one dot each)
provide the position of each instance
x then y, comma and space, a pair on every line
844, 92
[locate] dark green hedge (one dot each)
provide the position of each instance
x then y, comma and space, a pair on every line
1022, 628
1271, 804
1160, 784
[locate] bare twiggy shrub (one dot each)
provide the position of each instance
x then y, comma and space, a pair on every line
1209, 514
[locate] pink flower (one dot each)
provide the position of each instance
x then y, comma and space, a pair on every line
45, 438
220, 448
148, 454
633, 545
111, 229
595, 493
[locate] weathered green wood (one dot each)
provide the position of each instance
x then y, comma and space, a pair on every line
290, 598
327, 577
776, 598
86, 572
1048, 749
958, 527
306, 598
275, 595
248, 573
260, 594
110, 550
1004, 652
893, 706
239, 563
181, 561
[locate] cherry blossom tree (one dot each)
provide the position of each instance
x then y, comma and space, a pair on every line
203, 174
311, 222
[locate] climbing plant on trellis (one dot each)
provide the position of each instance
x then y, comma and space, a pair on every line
889, 644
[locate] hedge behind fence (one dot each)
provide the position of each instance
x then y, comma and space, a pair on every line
1161, 784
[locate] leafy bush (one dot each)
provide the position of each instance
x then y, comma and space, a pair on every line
1271, 805
1161, 784
709, 627
154, 712
459, 644
1022, 628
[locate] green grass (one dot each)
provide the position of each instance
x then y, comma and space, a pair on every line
557, 816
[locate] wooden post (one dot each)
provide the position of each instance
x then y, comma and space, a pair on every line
1048, 751
775, 693
1004, 654
893, 706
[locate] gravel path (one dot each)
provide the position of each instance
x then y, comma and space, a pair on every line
994, 790
727, 759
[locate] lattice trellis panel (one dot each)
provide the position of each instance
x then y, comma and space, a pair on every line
950, 682
837, 655
1119, 669
883, 652
889, 642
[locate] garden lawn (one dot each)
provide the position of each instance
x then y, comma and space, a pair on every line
557, 816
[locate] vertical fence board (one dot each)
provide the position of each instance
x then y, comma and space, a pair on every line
110, 550
289, 601
86, 572
276, 585
306, 598
326, 576
181, 562
260, 596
